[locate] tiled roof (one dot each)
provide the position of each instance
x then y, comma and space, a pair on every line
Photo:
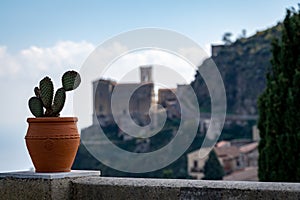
223, 143
225, 151
196, 154
248, 147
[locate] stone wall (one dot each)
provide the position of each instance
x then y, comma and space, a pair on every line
95, 187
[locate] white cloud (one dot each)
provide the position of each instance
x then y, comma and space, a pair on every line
207, 49
158, 58
97, 61
8, 64
41, 60
194, 55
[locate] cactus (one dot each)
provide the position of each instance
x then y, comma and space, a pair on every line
46, 92
70, 80
59, 101
44, 95
37, 92
36, 106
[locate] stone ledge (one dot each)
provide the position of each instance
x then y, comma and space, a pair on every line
95, 187
131, 188
34, 175
180, 183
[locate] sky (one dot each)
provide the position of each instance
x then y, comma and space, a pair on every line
39, 38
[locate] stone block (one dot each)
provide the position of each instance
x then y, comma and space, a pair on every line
31, 185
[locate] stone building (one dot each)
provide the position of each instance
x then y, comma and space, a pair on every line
102, 91
229, 157
167, 99
215, 49
165, 95
196, 164
140, 96
239, 162
249, 155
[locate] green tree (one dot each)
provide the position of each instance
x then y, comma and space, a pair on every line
227, 38
167, 173
243, 34
279, 108
213, 170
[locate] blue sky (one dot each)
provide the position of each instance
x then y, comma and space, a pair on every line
39, 38
42, 23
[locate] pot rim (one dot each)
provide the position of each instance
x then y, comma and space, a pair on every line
51, 119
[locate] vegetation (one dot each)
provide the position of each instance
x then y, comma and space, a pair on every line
242, 65
279, 148
213, 169
235, 130
178, 169
227, 38
41, 104
244, 33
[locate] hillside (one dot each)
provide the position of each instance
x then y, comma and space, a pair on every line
243, 66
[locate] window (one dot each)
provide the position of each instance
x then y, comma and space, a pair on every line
195, 163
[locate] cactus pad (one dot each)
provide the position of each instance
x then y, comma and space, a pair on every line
36, 107
70, 80
46, 92
37, 92
59, 101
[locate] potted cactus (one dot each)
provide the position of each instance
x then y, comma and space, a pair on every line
52, 141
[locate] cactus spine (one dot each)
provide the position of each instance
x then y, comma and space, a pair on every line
44, 95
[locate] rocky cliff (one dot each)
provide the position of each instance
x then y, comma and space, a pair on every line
243, 66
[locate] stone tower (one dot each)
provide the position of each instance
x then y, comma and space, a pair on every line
146, 73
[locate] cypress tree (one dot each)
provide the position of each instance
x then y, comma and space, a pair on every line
213, 170
279, 108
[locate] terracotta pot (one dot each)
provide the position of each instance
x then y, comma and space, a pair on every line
52, 143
